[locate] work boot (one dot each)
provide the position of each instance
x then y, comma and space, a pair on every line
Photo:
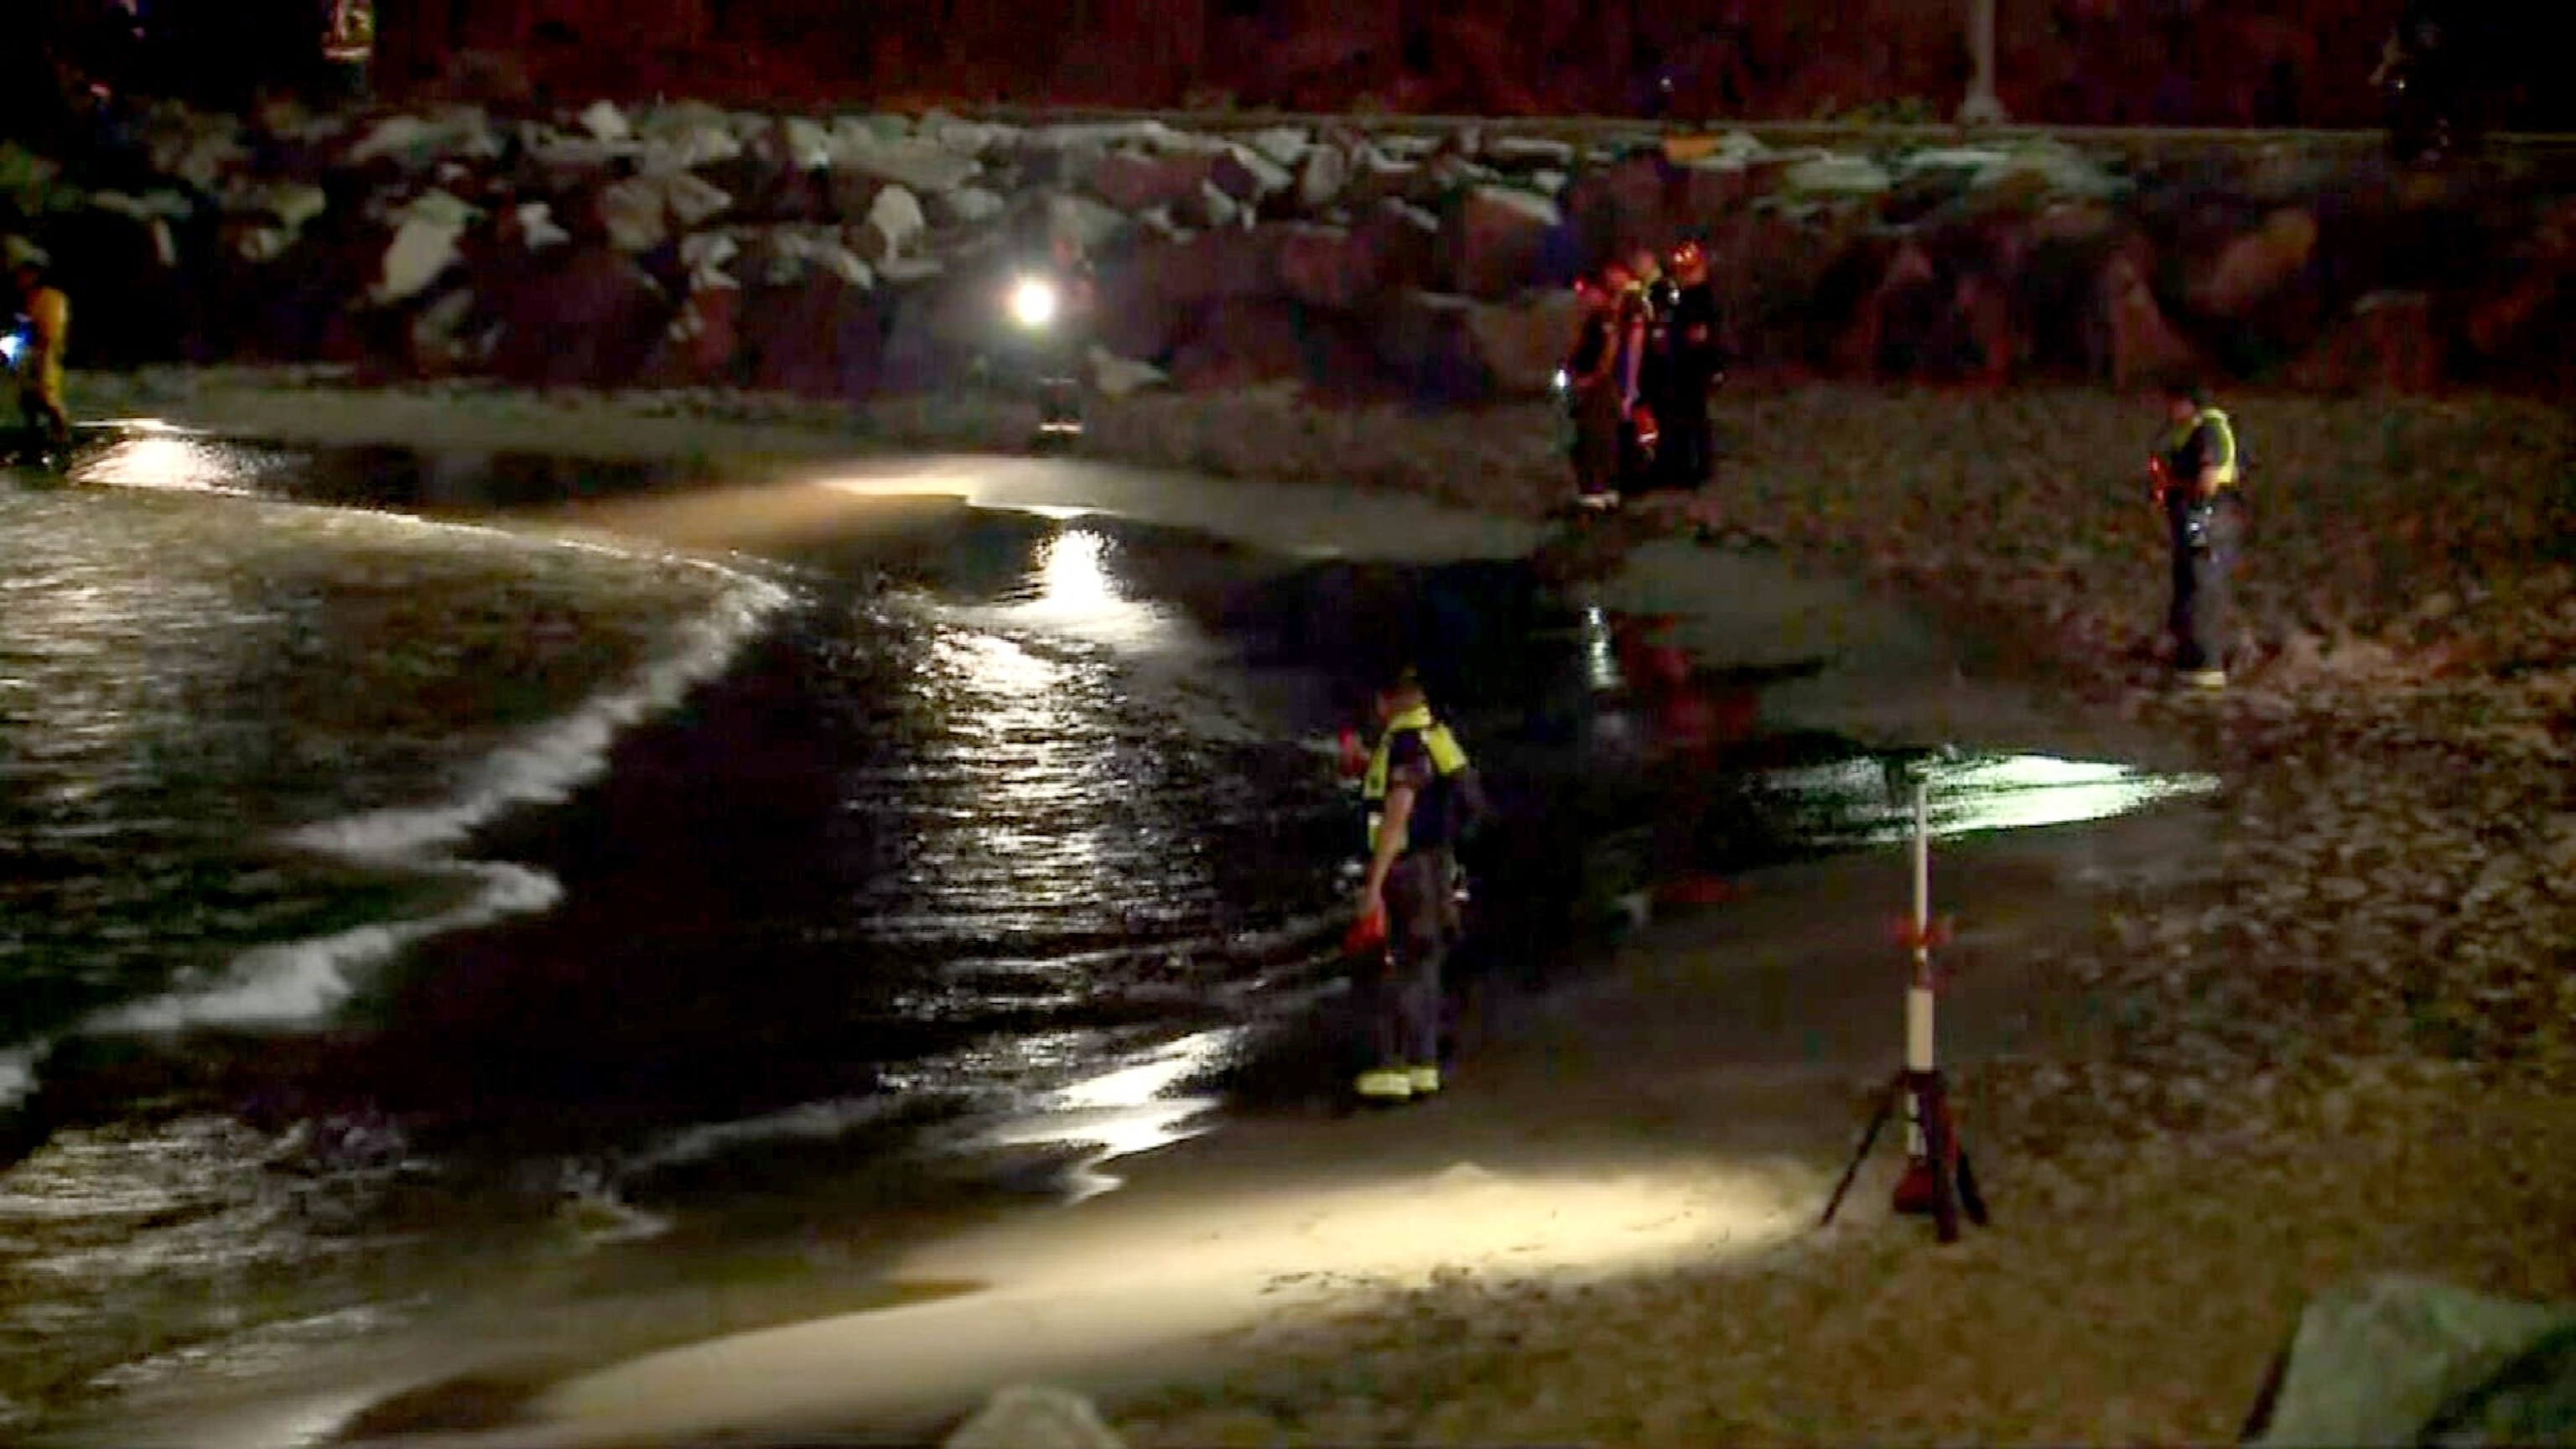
2204, 679
1386, 1084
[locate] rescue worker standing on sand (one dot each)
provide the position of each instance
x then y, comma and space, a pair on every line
1422, 794
1698, 365
49, 315
2195, 472
1592, 396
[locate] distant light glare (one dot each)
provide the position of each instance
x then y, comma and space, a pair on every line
1033, 303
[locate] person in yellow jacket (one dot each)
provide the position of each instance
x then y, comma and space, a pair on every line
49, 317
2195, 470
1423, 796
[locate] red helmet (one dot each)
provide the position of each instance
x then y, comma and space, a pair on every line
1687, 254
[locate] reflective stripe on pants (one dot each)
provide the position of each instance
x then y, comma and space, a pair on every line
1421, 921
2202, 616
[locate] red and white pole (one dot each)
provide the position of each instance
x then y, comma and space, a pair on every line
1918, 991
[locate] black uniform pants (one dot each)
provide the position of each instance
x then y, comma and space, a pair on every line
1597, 445
2208, 542
1689, 445
1421, 922
43, 417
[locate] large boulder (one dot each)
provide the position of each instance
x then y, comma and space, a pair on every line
2389, 343
1631, 202
1213, 267
1376, 174
1327, 266
270, 216
925, 168
1427, 343
1136, 323
1249, 176
937, 330
2057, 297
2255, 267
785, 255
1321, 178
1245, 342
769, 181
822, 335
966, 206
894, 226
1138, 181
1885, 336
2515, 317
701, 346
418, 143
583, 315
2140, 346
1520, 344
683, 137
423, 247
201, 150
1405, 240
1034, 1417
1495, 241
1790, 286
2396, 1361
645, 211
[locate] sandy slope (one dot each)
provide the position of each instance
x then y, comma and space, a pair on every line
2228, 1078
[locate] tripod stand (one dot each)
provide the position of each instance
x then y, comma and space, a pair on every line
1938, 1179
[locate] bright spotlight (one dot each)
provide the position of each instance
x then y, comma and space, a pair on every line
1033, 303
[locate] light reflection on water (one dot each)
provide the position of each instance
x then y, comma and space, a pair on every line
1130, 1110
149, 453
1853, 803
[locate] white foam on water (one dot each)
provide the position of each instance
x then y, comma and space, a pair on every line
825, 1121
302, 981
18, 1071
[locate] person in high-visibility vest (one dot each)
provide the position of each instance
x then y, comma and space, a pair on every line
2195, 470
1423, 797
49, 330
349, 43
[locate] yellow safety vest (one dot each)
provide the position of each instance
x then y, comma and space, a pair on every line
51, 312
2223, 444
1446, 758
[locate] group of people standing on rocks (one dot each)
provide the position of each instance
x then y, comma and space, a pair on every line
1647, 354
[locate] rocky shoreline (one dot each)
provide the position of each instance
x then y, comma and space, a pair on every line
859, 256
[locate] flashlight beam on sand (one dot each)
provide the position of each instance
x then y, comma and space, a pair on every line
1980, 794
